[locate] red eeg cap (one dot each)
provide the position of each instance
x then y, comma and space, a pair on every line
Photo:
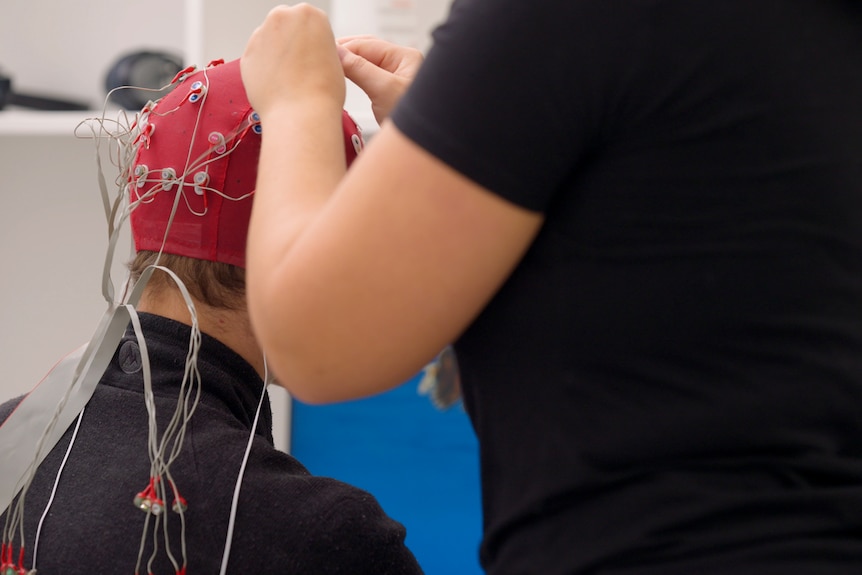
202, 139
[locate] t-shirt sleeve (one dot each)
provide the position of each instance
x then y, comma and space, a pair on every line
514, 94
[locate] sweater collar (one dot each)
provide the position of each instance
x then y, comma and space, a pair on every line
229, 383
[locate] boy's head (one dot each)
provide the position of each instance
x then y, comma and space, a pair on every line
193, 176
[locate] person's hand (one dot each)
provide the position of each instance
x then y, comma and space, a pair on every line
291, 57
381, 69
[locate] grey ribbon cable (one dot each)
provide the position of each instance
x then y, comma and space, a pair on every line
41, 419
32, 430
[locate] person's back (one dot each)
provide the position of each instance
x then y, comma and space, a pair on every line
171, 466
669, 382
287, 520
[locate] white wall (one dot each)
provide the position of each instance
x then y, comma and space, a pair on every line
66, 48
52, 229
52, 240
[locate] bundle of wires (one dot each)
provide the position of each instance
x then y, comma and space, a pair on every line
187, 161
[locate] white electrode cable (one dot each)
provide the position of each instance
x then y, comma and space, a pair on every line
235, 502
54, 489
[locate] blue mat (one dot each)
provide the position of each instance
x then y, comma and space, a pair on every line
421, 463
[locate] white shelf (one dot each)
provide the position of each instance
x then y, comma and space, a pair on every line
39, 123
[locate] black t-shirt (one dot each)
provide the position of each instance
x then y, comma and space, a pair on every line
671, 380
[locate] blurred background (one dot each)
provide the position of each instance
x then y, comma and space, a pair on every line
419, 461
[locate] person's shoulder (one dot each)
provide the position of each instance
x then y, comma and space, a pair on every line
273, 471
342, 528
9, 406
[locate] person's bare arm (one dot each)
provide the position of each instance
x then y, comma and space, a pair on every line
355, 283
393, 268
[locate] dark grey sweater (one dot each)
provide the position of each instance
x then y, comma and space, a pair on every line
288, 521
